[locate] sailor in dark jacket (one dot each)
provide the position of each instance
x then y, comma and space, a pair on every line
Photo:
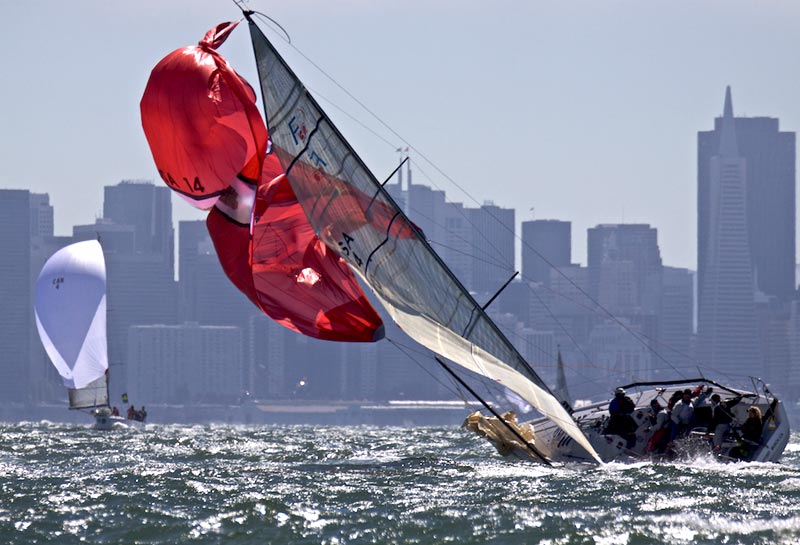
721, 417
620, 421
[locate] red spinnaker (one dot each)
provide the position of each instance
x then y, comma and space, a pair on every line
201, 121
285, 269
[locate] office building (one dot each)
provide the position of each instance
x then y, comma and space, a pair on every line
188, 363
727, 332
624, 264
16, 295
492, 252
545, 244
768, 170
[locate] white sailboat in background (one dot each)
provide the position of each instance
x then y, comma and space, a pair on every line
70, 309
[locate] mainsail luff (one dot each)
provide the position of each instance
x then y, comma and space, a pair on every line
355, 216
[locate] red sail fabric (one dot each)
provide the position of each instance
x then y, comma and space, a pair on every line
352, 208
201, 121
286, 270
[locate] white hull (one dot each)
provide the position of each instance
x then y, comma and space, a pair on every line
103, 420
593, 418
551, 441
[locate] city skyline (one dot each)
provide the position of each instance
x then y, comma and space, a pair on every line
594, 146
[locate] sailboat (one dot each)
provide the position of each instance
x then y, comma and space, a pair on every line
70, 310
354, 216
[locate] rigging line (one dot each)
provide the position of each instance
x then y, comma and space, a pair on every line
487, 382
466, 254
354, 118
340, 86
562, 274
287, 39
406, 352
565, 330
320, 95
533, 450
380, 120
423, 156
552, 315
462, 212
555, 319
595, 310
387, 126
378, 192
599, 306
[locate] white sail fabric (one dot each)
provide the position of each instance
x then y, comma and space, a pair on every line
94, 394
352, 213
70, 308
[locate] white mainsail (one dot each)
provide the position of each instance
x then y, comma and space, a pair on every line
352, 213
70, 309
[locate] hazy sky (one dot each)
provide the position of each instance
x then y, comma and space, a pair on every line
582, 110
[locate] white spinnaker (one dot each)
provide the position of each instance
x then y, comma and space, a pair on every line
70, 309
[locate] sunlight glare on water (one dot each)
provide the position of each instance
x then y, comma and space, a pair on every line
335, 485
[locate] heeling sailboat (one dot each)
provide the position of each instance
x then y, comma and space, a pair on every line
355, 216
70, 310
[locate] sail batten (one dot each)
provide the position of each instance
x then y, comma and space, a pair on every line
354, 215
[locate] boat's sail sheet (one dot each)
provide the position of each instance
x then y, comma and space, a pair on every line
70, 309
353, 214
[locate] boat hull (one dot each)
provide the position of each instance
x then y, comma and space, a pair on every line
641, 440
593, 420
105, 421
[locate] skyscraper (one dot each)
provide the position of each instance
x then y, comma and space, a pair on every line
768, 156
625, 268
186, 363
727, 339
545, 243
16, 320
148, 209
492, 252
207, 296
675, 321
42, 220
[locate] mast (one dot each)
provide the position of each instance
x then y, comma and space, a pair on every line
383, 194
382, 245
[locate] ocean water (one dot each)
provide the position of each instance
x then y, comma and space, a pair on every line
336, 485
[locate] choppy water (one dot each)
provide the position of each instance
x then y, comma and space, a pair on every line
225, 484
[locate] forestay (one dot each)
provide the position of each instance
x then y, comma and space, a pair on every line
70, 309
352, 213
